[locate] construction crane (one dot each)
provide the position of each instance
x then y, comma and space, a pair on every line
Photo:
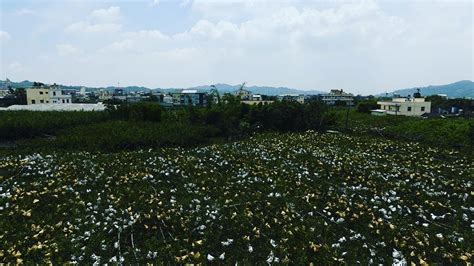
241, 89
241, 92
215, 94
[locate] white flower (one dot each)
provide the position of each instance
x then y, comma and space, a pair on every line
273, 243
271, 257
210, 257
228, 242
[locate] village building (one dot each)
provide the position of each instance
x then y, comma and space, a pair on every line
408, 106
47, 95
57, 96
245, 95
338, 96
39, 95
189, 97
291, 97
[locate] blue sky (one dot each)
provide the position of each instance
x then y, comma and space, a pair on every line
360, 46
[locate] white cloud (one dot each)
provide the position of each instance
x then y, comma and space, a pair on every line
67, 49
110, 14
100, 21
25, 11
146, 34
184, 3
4, 36
119, 46
155, 3
15, 66
87, 27
367, 46
178, 54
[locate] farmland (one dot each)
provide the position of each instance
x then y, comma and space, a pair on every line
289, 198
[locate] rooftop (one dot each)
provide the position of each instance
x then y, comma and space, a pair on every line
57, 107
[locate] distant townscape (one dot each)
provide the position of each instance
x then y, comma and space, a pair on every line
38, 96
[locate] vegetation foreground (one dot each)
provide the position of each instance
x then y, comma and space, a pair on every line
289, 198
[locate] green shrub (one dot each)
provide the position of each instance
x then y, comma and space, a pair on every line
367, 106
127, 135
136, 112
27, 124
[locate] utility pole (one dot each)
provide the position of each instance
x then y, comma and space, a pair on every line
347, 114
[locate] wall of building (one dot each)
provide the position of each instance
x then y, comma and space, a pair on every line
57, 97
408, 108
37, 96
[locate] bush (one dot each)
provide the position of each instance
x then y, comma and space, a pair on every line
27, 124
141, 125
446, 132
126, 135
471, 134
367, 106
136, 112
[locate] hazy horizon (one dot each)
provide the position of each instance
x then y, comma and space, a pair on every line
363, 47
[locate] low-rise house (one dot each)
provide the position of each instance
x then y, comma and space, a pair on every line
257, 102
4, 92
408, 106
58, 96
44, 94
245, 95
133, 98
338, 96
189, 97
38, 95
291, 97
166, 100
103, 95
256, 97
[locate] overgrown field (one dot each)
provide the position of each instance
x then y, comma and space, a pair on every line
290, 198
450, 132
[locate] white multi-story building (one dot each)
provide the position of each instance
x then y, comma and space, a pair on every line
58, 97
47, 95
403, 106
39, 95
291, 97
335, 96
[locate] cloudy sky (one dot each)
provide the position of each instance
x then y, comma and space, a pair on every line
363, 47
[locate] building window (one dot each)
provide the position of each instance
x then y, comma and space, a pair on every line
33, 101
41, 92
67, 100
422, 108
47, 101
409, 109
54, 93
63, 100
41, 101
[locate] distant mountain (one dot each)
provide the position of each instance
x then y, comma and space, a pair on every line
21, 84
460, 89
226, 88
222, 88
28, 84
